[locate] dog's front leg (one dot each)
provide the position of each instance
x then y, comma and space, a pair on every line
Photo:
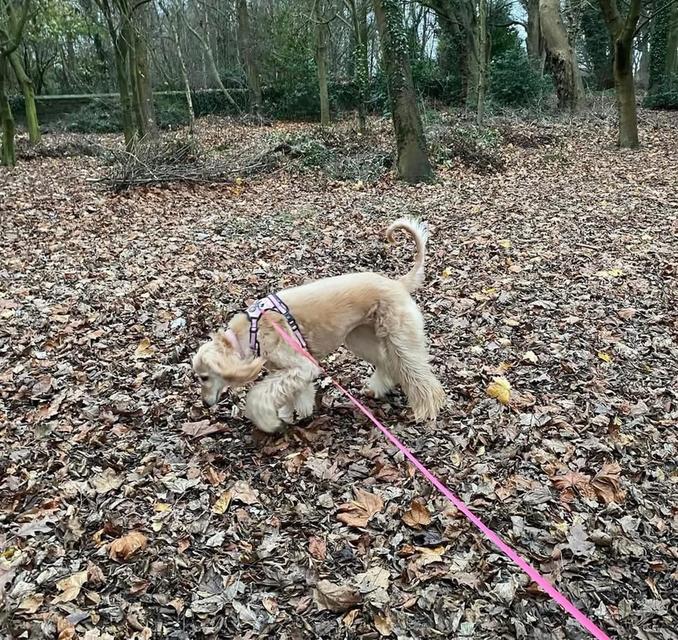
273, 400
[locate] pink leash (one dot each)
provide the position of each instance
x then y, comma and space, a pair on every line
543, 583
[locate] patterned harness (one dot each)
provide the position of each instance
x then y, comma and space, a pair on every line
270, 303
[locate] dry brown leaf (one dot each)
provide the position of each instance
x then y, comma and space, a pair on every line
30, 604
144, 349
317, 548
128, 545
383, 623
202, 428
358, 512
607, 485
70, 587
500, 390
417, 516
65, 628
223, 502
244, 493
333, 597
108, 480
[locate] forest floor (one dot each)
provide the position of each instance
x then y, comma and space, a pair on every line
129, 511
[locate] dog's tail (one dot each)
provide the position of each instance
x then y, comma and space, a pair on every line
415, 276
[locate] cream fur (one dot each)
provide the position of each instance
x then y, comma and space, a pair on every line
372, 315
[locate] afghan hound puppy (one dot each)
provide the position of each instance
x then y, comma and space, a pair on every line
373, 316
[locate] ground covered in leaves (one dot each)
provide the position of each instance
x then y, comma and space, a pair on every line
128, 511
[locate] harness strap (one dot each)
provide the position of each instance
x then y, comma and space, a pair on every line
270, 303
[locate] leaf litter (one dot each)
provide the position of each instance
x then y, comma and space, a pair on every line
127, 510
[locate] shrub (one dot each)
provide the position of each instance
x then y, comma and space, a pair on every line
98, 116
514, 82
664, 96
478, 148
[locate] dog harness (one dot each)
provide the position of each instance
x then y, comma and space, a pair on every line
270, 303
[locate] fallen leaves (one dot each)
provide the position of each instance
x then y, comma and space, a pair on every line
417, 516
358, 512
240, 491
202, 428
607, 484
317, 548
500, 390
124, 444
144, 349
333, 597
125, 547
70, 587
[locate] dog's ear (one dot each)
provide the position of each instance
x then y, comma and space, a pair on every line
220, 338
248, 371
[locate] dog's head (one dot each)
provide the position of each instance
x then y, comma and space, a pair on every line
219, 365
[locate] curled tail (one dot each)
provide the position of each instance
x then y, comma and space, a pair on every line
415, 276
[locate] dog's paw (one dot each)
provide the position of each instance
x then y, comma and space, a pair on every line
286, 414
305, 406
379, 385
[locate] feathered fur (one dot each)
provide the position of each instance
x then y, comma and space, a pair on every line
372, 315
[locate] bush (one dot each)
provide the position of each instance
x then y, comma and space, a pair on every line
664, 96
515, 83
474, 147
99, 116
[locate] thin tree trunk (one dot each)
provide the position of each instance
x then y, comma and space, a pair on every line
28, 91
560, 56
182, 65
7, 154
413, 162
321, 63
482, 61
247, 53
210, 59
142, 71
120, 52
361, 63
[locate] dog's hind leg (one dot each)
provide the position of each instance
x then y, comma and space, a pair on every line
406, 353
365, 344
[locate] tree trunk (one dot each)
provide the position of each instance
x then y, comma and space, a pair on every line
413, 163
321, 30
626, 94
7, 154
141, 23
247, 54
182, 65
482, 61
533, 41
622, 31
361, 64
28, 91
213, 66
643, 70
560, 56
120, 52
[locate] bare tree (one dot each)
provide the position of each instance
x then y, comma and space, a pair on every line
360, 60
11, 31
413, 162
184, 73
207, 50
246, 47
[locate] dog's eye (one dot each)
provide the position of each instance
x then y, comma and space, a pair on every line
204, 378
